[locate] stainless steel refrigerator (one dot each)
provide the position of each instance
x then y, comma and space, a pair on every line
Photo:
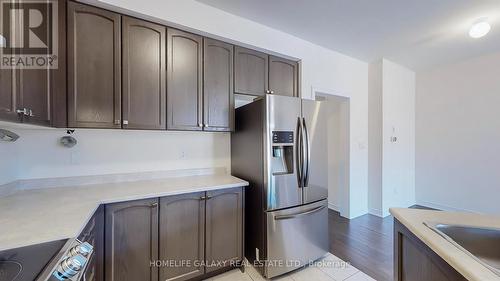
279, 146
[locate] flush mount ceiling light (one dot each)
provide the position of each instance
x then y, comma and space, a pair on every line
479, 29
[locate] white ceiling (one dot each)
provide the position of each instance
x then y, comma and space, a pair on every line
416, 33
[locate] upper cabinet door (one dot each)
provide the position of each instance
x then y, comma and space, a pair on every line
283, 77
184, 80
131, 240
144, 89
94, 67
218, 101
250, 72
8, 105
40, 93
34, 95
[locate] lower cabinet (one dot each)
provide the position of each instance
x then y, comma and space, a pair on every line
180, 237
224, 228
415, 261
131, 244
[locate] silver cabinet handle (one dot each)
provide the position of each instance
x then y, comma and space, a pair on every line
23, 111
271, 92
125, 122
31, 113
291, 216
268, 92
200, 125
153, 205
117, 122
208, 197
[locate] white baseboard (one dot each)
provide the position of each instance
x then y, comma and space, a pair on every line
375, 212
333, 207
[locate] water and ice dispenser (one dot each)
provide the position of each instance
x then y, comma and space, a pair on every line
282, 153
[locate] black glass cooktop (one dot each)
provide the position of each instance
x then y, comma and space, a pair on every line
26, 263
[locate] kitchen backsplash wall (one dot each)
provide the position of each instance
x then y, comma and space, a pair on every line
38, 153
8, 162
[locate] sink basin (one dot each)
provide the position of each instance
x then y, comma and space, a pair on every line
482, 244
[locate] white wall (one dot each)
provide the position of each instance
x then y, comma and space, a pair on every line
39, 154
8, 162
398, 119
375, 138
337, 130
458, 136
391, 114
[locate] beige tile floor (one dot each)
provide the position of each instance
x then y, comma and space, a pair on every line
329, 268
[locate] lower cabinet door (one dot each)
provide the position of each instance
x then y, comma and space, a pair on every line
182, 236
224, 231
131, 248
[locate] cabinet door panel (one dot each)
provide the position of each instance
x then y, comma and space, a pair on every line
34, 94
182, 234
8, 104
94, 67
144, 78
224, 228
283, 77
131, 240
41, 91
184, 81
218, 101
250, 72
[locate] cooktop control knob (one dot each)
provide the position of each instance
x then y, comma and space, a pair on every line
70, 267
84, 249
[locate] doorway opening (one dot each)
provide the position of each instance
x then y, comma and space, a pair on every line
337, 131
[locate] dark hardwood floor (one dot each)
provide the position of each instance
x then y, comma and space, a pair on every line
365, 242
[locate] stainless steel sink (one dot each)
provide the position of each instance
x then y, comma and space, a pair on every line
482, 244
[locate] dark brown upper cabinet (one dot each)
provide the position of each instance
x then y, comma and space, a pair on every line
283, 75
94, 67
184, 80
182, 235
131, 240
250, 72
218, 98
37, 96
144, 79
257, 74
224, 227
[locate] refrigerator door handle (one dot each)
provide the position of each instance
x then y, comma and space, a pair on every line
298, 153
292, 216
307, 152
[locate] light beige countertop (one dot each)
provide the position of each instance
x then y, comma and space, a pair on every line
40, 215
471, 269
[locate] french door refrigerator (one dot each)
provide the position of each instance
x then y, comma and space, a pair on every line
279, 146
